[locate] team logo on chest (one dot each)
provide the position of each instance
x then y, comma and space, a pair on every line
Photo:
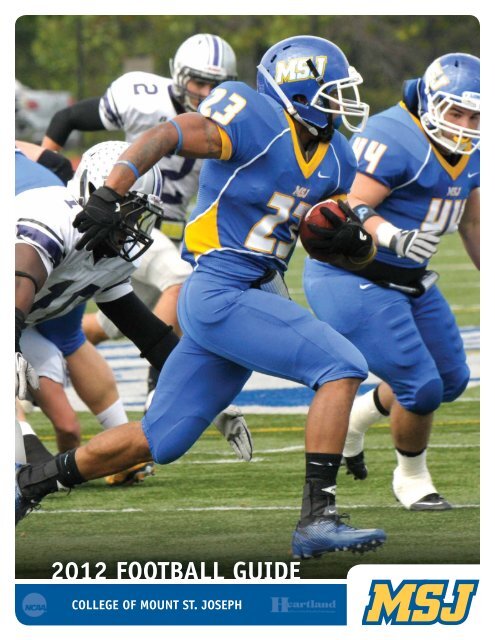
454, 192
301, 192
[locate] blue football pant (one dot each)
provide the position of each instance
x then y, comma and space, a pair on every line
229, 331
65, 331
413, 344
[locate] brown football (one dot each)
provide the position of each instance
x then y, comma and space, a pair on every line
314, 216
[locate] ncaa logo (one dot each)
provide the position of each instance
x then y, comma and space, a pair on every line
419, 602
34, 605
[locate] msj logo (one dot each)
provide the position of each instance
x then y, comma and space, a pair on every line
417, 602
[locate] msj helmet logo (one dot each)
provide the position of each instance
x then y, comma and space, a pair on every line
419, 602
295, 69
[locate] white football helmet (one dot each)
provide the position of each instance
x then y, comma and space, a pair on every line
203, 57
139, 210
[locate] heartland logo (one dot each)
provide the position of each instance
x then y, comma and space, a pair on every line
419, 602
295, 69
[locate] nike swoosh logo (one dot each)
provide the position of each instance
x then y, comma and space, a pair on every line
365, 286
362, 236
471, 175
320, 175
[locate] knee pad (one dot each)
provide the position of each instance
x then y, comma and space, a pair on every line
454, 383
424, 399
170, 442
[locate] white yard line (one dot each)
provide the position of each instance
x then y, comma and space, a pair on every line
225, 508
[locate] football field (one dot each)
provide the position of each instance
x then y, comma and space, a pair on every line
210, 507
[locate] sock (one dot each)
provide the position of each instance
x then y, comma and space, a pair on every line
61, 472
113, 416
320, 488
411, 464
364, 413
68, 473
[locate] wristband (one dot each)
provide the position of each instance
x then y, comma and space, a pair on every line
364, 212
385, 233
180, 140
130, 165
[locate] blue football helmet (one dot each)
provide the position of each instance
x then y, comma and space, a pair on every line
308, 77
451, 80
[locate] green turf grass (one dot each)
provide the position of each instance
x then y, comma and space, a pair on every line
157, 520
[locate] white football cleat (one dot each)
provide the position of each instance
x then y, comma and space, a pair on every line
417, 492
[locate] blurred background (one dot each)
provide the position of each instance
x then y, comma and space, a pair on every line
60, 59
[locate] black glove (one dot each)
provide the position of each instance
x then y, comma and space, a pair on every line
347, 237
99, 218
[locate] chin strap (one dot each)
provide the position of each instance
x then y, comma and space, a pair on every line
285, 100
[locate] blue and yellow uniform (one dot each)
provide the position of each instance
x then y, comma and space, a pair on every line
424, 360
245, 224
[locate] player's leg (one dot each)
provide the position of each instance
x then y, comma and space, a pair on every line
268, 333
395, 351
93, 325
49, 363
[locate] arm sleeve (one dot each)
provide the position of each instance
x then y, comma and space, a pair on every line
59, 164
82, 116
152, 337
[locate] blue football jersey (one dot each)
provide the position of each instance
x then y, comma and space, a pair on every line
427, 192
251, 201
31, 175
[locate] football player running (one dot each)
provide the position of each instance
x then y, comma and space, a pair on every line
135, 102
233, 311
418, 179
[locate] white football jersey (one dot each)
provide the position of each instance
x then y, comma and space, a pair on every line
137, 101
44, 221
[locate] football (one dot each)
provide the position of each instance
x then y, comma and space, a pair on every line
309, 238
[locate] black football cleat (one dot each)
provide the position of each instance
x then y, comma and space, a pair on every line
356, 466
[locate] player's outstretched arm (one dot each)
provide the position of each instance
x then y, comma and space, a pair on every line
190, 135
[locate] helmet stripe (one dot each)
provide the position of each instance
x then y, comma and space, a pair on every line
216, 51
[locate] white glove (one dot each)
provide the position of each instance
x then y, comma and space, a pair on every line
25, 376
415, 244
233, 427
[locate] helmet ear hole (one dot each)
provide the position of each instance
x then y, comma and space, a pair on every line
301, 99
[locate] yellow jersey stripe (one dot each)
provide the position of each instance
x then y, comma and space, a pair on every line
202, 233
307, 168
226, 144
